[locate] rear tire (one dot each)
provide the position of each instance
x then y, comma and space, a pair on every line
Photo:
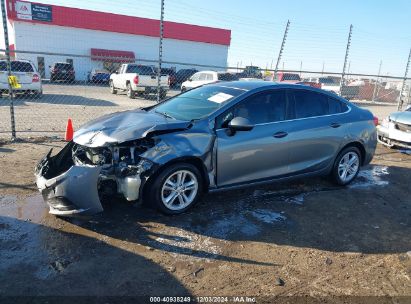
176, 189
163, 94
130, 93
112, 88
346, 166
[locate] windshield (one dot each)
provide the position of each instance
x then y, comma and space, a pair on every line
66, 66
197, 103
291, 77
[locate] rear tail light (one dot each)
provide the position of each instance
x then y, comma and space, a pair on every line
36, 78
375, 120
136, 80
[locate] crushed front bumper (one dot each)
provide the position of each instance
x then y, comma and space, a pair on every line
72, 192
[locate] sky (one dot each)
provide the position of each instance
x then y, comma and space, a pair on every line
317, 34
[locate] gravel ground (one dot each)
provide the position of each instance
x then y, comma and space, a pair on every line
47, 116
306, 238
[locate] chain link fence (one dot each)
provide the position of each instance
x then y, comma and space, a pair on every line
75, 87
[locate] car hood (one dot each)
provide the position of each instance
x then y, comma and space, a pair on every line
125, 126
401, 117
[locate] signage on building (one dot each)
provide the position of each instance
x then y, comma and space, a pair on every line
31, 11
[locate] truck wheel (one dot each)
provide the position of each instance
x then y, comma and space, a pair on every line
163, 94
130, 92
112, 88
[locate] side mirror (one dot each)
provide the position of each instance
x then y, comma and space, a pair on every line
190, 79
240, 124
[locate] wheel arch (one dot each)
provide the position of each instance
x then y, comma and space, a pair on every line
359, 146
193, 160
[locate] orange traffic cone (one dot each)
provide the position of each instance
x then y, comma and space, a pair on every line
69, 131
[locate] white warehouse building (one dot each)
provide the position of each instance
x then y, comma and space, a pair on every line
45, 34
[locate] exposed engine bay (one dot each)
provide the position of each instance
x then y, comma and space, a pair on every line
75, 179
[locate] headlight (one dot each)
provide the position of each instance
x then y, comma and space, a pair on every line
385, 122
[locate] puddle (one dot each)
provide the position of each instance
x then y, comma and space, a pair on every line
371, 177
268, 216
31, 208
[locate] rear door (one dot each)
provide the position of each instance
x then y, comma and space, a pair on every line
257, 154
316, 132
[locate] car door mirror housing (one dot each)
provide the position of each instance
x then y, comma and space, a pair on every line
240, 124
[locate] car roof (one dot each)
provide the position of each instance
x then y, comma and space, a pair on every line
253, 85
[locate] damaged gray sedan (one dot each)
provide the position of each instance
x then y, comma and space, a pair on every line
219, 136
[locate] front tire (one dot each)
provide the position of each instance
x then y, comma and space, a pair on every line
346, 166
176, 189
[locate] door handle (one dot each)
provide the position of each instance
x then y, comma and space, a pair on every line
335, 125
280, 134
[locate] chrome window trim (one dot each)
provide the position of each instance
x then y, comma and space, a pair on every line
297, 119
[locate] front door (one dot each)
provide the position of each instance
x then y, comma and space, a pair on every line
257, 154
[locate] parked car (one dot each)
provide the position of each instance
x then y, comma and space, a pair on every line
62, 71
287, 77
219, 136
27, 76
310, 83
251, 71
138, 79
329, 84
183, 75
99, 76
206, 77
395, 130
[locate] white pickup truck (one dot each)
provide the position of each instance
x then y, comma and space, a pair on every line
138, 79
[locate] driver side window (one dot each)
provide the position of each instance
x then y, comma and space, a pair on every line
258, 109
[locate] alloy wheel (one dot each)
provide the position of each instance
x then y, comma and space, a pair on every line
179, 190
348, 166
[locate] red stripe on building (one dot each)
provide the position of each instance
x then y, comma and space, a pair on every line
93, 20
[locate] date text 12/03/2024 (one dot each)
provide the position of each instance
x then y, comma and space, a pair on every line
203, 299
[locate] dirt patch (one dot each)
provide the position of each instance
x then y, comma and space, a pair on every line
301, 238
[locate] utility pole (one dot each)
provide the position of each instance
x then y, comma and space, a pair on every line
301, 67
281, 49
6, 42
346, 58
400, 102
322, 71
376, 82
160, 51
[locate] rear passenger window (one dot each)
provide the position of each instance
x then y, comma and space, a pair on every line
335, 106
309, 104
